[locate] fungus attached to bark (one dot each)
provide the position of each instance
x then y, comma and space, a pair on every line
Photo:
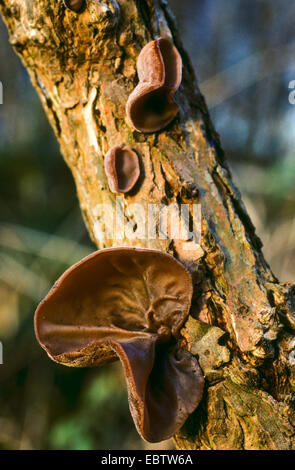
128, 304
151, 106
122, 169
74, 5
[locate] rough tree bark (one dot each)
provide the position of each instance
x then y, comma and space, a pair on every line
84, 67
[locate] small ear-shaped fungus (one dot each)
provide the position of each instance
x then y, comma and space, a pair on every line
122, 169
128, 304
151, 107
74, 5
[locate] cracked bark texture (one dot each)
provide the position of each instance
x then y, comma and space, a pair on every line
84, 67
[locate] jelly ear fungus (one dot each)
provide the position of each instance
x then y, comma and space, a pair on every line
151, 106
122, 169
74, 5
128, 304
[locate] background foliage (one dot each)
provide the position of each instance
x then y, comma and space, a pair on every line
243, 53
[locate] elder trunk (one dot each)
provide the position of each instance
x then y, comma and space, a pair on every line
84, 68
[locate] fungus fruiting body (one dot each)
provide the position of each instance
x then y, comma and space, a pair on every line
122, 169
74, 5
151, 106
128, 304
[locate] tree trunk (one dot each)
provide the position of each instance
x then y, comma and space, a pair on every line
84, 68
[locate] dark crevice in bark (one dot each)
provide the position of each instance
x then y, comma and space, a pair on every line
146, 11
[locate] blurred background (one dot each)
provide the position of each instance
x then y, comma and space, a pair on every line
244, 56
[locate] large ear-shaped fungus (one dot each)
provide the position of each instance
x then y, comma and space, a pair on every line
122, 168
130, 304
151, 107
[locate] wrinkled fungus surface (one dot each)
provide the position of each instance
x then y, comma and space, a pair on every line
151, 106
128, 304
122, 169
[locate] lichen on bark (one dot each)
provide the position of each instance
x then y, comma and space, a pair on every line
83, 67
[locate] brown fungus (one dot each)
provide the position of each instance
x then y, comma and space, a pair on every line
74, 5
122, 169
128, 304
151, 106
